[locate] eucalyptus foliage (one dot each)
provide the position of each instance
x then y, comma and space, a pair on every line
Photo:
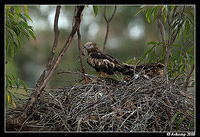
16, 29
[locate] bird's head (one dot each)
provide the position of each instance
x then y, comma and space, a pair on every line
91, 47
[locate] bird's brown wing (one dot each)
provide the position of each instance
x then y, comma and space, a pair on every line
107, 63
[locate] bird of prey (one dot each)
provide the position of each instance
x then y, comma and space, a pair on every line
105, 63
110, 65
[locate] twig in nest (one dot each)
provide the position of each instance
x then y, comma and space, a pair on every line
76, 73
141, 105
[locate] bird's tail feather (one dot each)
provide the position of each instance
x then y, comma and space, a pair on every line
127, 69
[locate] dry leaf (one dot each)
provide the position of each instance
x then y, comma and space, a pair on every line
120, 111
93, 117
128, 106
13, 103
132, 105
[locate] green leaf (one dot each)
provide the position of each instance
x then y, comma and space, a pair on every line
152, 43
177, 45
95, 9
16, 30
22, 17
32, 34
26, 9
145, 54
191, 125
174, 117
28, 17
24, 85
11, 16
12, 52
180, 121
129, 61
165, 13
148, 14
155, 13
180, 68
19, 41
152, 57
16, 83
17, 10
23, 24
138, 12
26, 35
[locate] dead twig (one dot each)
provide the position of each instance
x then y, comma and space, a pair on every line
76, 73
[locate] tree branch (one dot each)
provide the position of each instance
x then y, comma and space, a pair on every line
81, 55
188, 78
16, 122
179, 24
107, 21
162, 32
51, 55
172, 38
160, 25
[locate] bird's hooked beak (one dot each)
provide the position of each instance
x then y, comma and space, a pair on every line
83, 50
85, 47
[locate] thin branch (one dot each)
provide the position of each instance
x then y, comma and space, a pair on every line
179, 24
188, 78
172, 38
75, 73
162, 32
81, 55
160, 25
107, 21
51, 55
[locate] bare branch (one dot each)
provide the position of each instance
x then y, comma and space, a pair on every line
107, 21
162, 32
160, 25
81, 55
51, 56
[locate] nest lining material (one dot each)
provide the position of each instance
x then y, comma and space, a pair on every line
138, 105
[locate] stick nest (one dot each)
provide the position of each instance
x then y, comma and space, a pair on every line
137, 105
